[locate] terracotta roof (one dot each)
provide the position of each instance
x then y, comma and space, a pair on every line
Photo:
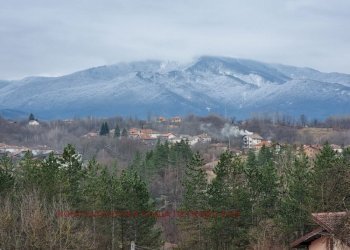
134, 131
307, 238
328, 223
166, 135
148, 131
147, 137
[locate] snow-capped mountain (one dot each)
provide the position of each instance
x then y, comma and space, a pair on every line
236, 87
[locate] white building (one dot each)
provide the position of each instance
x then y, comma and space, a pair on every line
250, 141
33, 123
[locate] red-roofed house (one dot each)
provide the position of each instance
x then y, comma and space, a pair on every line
161, 119
134, 133
324, 236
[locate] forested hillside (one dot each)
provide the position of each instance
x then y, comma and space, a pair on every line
62, 202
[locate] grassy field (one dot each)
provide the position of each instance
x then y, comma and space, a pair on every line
317, 132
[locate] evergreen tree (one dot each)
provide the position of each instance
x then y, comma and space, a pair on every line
195, 185
295, 207
104, 129
194, 199
124, 132
227, 193
94, 190
263, 184
139, 166
31, 117
117, 131
29, 171
49, 178
330, 186
71, 174
134, 197
346, 156
7, 179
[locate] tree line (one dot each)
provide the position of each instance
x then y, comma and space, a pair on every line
274, 192
33, 191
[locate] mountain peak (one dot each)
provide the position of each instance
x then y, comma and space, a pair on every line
240, 86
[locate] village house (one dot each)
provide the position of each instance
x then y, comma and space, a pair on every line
19, 151
149, 135
204, 138
147, 139
12, 150
166, 136
176, 119
134, 133
191, 140
336, 148
33, 123
261, 144
312, 150
161, 119
251, 140
90, 135
323, 237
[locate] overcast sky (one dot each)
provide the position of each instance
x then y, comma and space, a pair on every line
55, 37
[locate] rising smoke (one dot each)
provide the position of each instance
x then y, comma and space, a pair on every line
227, 131
233, 131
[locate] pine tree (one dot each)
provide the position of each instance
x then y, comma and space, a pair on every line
117, 131
71, 174
49, 177
195, 199
104, 129
134, 197
7, 178
330, 186
31, 117
94, 190
124, 132
295, 207
227, 193
29, 173
195, 185
263, 184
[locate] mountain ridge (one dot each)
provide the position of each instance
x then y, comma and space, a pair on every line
239, 86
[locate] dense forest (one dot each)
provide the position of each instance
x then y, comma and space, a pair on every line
272, 192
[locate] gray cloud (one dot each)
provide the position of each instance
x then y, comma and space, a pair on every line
46, 37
